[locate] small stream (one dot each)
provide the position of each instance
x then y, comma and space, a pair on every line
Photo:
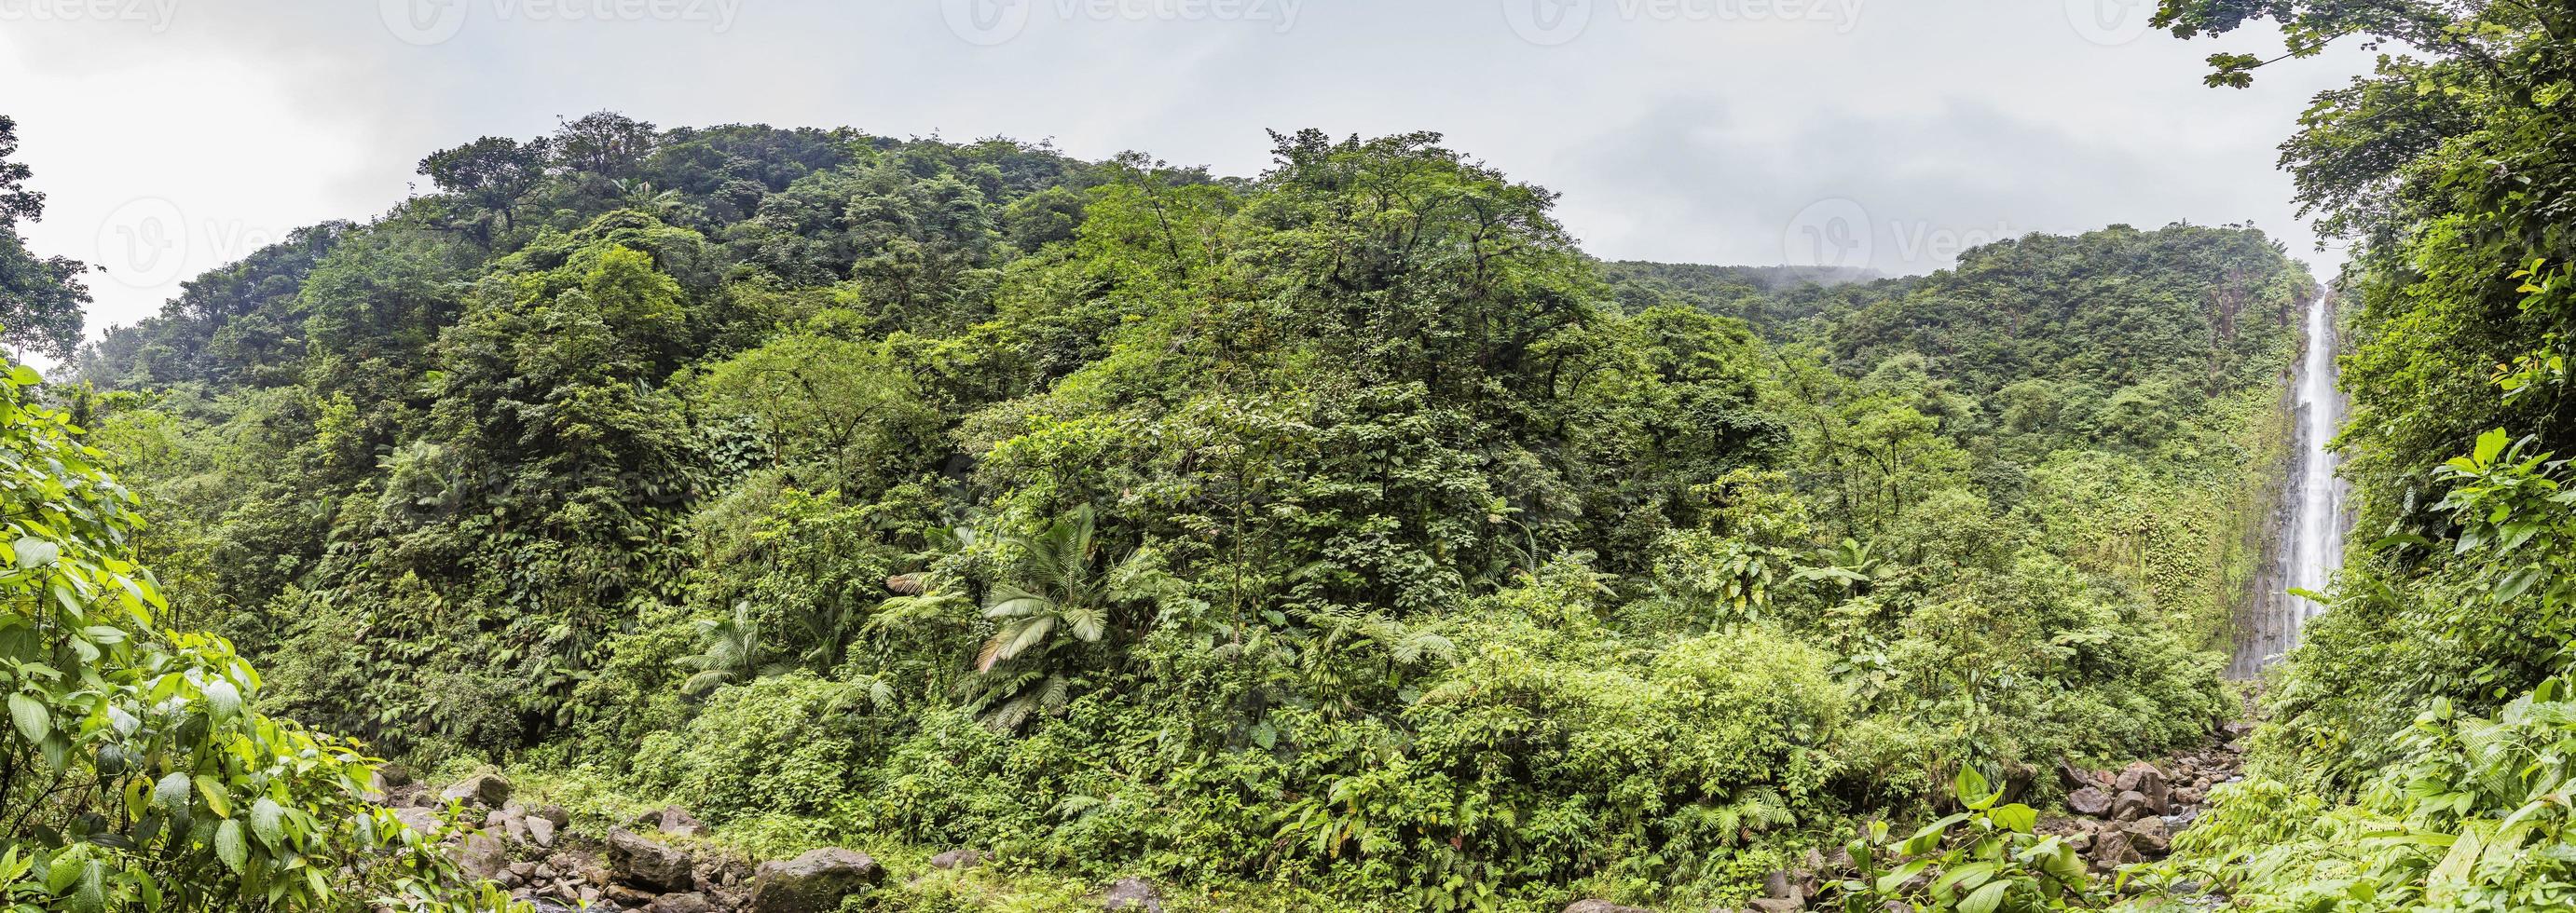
2306, 543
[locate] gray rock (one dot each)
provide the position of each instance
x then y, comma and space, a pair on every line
684, 902
957, 859
814, 882
485, 790
2144, 779
1779, 904
628, 895
2073, 777
409, 795
2148, 835
2089, 801
419, 819
2130, 805
482, 857
1132, 894
638, 860
541, 832
672, 820
2111, 849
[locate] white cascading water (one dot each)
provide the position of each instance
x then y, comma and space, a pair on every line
2308, 542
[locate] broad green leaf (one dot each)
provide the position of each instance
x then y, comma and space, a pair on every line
34, 721
222, 700
35, 553
1888, 883
1969, 875
2016, 817
265, 822
1985, 899
229, 846
171, 794
217, 798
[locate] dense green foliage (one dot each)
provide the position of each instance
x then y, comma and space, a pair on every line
40, 297
135, 774
1344, 526
2416, 758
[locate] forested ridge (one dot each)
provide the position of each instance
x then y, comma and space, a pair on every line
1343, 528
1062, 532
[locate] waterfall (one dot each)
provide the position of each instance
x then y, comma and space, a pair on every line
2307, 539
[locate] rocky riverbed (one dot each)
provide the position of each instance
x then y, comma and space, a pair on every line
2111, 818
649, 865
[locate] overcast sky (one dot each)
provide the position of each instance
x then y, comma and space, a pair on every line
175, 135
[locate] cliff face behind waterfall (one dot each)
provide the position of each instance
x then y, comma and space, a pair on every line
2306, 539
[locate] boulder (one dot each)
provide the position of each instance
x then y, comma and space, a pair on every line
1601, 906
628, 895
2073, 777
481, 856
2144, 779
2130, 805
642, 861
2148, 835
540, 832
1132, 894
672, 820
684, 902
578, 865
483, 790
1778, 905
385, 779
2111, 849
814, 882
419, 819
1779, 885
2090, 800
957, 859
409, 795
